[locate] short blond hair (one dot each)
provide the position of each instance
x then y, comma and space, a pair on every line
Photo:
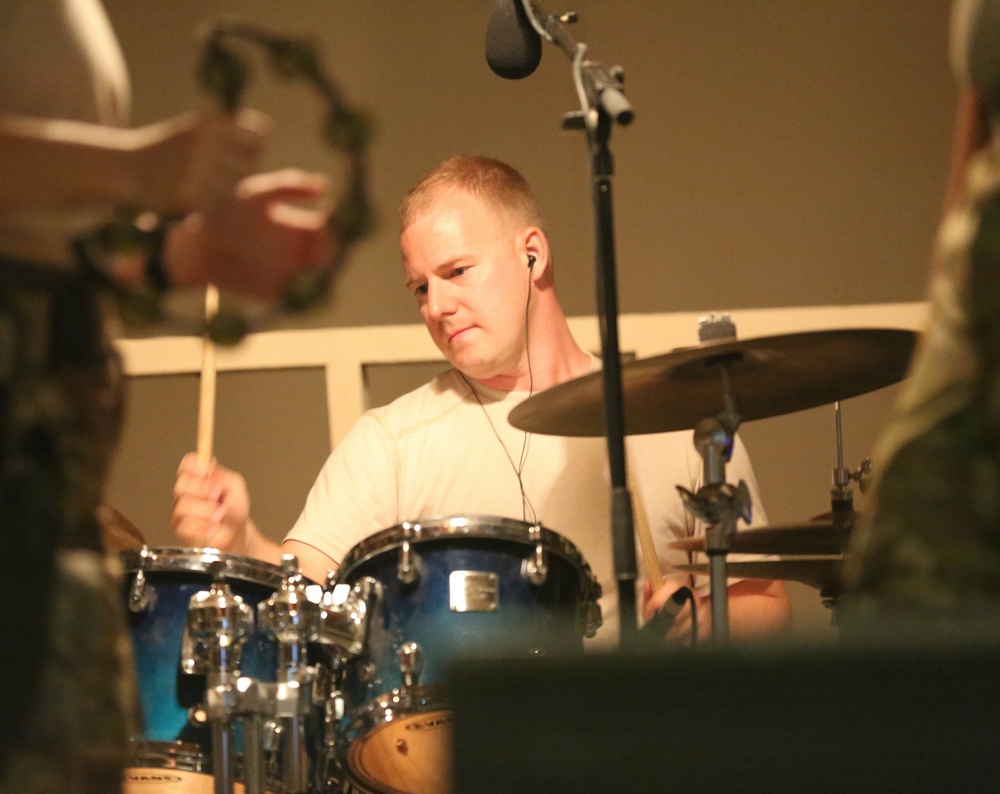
488, 179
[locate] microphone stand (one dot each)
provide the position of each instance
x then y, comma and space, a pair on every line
602, 105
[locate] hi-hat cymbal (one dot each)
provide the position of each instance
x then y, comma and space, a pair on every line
770, 375
822, 573
814, 537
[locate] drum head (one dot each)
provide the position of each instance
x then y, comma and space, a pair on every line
179, 560
150, 780
145, 779
411, 755
170, 767
176, 767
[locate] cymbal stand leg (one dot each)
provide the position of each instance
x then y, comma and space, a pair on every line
255, 699
293, 620
222, 756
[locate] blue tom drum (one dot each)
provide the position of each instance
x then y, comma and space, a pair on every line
448, 587
174, 750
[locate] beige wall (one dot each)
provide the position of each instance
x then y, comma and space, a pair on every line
785, 153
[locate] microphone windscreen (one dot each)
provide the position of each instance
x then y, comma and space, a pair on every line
513, 46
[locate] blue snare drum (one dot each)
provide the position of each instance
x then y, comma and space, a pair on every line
159, 583
448, 587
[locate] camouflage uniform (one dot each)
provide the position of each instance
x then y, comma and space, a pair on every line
66, 675
932, 547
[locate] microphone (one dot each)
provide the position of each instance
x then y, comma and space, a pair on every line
513, 46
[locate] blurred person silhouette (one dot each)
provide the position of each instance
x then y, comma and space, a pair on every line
67, 160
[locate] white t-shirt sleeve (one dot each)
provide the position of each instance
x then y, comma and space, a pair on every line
354, 494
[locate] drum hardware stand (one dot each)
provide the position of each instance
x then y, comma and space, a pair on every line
842, 503
294, 621
718, 503
344, 620
218, 623
602, 105
346, 612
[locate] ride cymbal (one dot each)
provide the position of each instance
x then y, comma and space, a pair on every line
770, 376
822, 573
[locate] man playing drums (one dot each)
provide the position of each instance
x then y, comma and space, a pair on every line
481, 270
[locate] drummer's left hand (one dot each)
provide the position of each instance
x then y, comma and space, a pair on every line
680, 631
758, 609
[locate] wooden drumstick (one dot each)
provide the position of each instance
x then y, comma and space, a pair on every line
206, 401
641, 525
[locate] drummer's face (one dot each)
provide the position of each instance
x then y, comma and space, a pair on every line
462, 262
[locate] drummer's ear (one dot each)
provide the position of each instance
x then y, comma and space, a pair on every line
535, 250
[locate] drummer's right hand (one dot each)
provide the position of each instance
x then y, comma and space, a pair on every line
211, 506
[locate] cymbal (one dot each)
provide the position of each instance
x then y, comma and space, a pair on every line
814, 537
822, 573
117, 532
770, 375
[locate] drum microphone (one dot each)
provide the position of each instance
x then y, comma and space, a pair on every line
513, 46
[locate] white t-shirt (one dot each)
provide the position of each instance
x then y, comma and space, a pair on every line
437, 452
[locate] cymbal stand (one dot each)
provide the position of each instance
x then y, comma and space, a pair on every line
600, 90
842, 497
842, 501
293, 620
718, 503
217, 625
346, 616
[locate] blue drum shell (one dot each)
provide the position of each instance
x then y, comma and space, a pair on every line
166, 693
529, 619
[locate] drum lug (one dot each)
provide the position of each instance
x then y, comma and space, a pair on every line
590, 616
409, 569
535, 568
141, 595
593, 619
197, 716
336, 708
411, 663
272, 737
291, 618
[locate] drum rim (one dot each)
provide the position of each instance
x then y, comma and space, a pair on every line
439, 527
177, 755
180, 559
181, 756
